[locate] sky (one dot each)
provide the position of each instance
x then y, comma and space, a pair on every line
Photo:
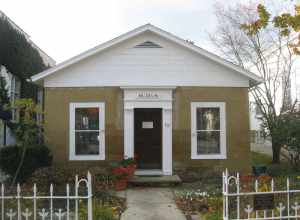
65, 28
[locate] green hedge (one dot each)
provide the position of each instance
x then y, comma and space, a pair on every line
35, 157
16, 53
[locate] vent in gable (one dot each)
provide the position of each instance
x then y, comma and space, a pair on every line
148, 44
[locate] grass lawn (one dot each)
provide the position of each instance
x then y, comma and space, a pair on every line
282, 169
260, 159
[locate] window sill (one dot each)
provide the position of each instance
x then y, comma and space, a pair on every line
209, 157
96, 157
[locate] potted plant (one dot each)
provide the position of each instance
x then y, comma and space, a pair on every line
130, 164
121, 175
123, 171
259, 170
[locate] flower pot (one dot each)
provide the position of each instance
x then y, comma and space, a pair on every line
259, 170
121, 184
131, 170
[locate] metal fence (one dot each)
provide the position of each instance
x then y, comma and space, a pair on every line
53, 206
271, 203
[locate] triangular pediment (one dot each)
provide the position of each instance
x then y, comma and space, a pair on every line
172, 59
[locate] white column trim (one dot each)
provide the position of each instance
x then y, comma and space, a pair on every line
167, 142
128, 132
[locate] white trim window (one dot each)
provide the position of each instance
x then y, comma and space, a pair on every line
208, 130
87, 134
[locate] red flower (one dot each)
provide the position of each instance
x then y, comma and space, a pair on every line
247, 178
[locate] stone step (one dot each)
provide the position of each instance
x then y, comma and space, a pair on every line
155, 180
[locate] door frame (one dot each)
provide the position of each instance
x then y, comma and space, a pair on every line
149, 97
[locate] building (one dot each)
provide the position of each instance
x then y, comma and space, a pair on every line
149, 94
256, 124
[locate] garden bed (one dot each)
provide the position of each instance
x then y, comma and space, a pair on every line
201, 191
107, 204
198, 198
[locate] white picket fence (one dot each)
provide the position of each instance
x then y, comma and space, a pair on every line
45, 213
287, 209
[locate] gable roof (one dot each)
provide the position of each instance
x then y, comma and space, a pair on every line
254, 79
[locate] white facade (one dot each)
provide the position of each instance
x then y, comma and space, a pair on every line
126, 65
175, 52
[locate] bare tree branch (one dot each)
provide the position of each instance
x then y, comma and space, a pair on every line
266, 53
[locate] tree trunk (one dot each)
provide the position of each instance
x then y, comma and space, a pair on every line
276, 148
19, 167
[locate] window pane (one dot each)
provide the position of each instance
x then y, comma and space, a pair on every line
208, 142
208, 119
87, 119
87, 143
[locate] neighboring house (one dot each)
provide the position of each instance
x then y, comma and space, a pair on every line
256, 128
152, 95
13, 84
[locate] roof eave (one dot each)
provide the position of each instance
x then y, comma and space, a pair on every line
253, 83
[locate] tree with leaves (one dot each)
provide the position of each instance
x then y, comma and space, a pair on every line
22, 60
250, 37
287, 24
291, 133
28, 130
30, 152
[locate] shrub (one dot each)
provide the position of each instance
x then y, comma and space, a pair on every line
60, 175
35, 157
99, 213
104, 213
45, 176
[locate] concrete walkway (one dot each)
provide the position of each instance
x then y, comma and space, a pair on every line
151, 204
